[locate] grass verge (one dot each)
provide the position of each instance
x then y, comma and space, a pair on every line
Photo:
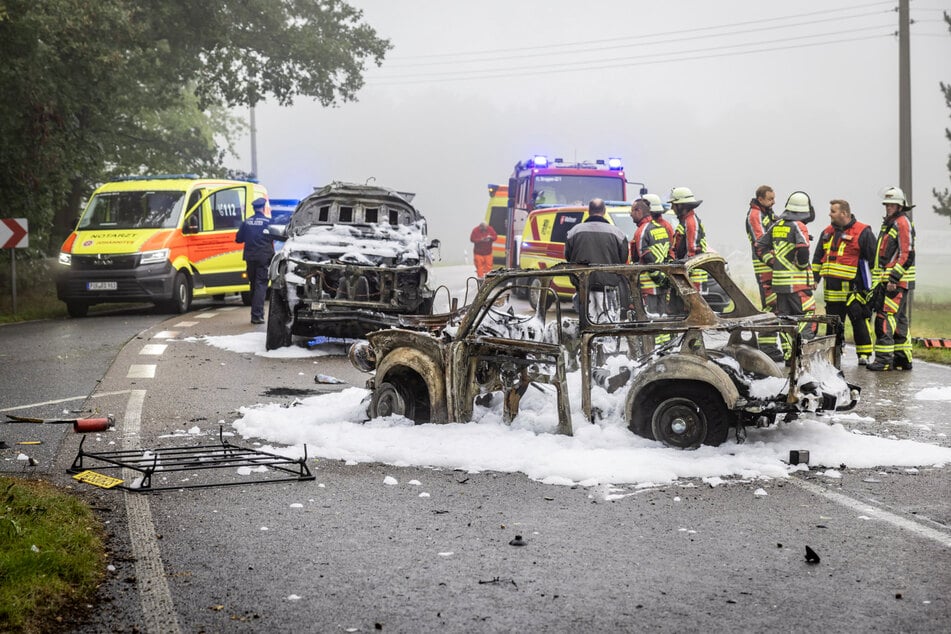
51, 555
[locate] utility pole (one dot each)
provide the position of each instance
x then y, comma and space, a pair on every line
254, 145
904, 118
904, 101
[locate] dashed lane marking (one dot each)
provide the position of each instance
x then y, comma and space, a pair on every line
185, 324
153, 348
62, 400
935, 535
157, 607
207, 315
144, 371
166, 334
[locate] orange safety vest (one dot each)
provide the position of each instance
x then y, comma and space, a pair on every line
840, 251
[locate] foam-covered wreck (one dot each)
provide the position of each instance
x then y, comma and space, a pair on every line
355, 258
684, 374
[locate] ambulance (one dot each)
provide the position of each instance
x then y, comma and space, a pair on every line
497, 217
163, 239
543, 238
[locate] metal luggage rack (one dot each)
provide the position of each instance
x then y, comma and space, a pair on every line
166, 460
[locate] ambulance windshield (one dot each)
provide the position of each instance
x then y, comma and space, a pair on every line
133, 210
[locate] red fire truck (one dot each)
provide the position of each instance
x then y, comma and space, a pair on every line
539, 182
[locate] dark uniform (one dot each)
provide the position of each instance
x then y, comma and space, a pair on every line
258, 251
596, 241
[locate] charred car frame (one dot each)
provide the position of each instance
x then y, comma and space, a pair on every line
683, 376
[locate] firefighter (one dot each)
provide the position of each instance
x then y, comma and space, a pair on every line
657, 214
785, 248
843, 255
690, 238
482, 237
650, 245
894, 276
758, 220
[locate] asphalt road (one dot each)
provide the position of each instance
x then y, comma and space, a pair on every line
344, 552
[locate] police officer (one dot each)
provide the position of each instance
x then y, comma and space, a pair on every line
258, 251
894, 269
785, 249
843, 256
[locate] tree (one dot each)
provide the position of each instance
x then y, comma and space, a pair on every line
944, 197
96, 89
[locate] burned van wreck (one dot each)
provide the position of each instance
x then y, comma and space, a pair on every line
355, 258
685, 375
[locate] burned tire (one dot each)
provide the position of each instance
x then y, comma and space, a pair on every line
278, 323
181, 299
389, 399
682, 415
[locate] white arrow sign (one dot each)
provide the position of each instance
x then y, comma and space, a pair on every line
14, 233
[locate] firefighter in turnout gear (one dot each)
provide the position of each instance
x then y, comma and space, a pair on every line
843, 256
690, 238
894, 269
785, 248
650, 245
759, 219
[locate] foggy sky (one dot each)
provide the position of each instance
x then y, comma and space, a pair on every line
593, 80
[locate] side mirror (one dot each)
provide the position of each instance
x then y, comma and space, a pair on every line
435, 244
191, 225
643, 191
276, 232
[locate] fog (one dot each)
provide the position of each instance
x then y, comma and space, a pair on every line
719, 97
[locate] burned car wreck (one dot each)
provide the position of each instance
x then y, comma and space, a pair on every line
685, 375
355, 257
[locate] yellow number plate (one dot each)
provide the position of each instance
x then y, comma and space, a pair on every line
97, 479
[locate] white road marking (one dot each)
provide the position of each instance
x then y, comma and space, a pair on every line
62, 400
166, 334
224, 308
153, 348
157, 607
207, 315
145, 371
876, 513
185, 324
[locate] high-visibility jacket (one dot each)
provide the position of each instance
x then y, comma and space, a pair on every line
785, 248
651, 245
690, 238
841, 250
758, 221
895, 252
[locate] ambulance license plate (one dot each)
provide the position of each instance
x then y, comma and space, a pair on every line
101, 286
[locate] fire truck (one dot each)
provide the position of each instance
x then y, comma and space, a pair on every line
538, 182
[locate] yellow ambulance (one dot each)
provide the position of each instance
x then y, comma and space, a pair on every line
496, 216
163, 239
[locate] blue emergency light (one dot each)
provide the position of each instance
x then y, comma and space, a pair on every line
615, 164
539, 161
